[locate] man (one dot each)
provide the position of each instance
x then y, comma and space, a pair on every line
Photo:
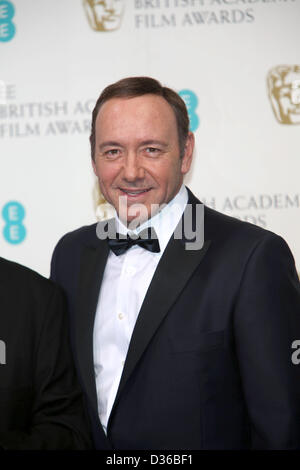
40, 401
176, 348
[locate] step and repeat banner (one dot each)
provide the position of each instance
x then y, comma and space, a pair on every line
236, 63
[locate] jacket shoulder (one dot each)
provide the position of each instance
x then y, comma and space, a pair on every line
240, 238
85, 235
24, 280
66, 257
221, 225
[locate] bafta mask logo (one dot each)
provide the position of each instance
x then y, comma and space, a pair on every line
284, 93
104, 15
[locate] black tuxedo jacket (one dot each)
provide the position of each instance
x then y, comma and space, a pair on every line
40, 400
209, 363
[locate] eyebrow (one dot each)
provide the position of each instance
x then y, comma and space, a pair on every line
113, 143
109, 143
154, 142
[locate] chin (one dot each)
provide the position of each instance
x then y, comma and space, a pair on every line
111, 25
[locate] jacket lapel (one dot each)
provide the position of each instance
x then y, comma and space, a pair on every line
174, 270
93, 261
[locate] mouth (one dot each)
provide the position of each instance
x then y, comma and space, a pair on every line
134, 193
110, 17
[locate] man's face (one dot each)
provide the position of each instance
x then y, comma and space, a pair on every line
289, 97
137, 153
104, 15
285, 95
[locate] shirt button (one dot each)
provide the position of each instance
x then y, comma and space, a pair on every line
130, 270
120, 316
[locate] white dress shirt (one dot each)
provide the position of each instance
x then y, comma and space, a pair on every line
125, 282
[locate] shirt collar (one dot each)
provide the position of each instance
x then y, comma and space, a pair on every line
164, 222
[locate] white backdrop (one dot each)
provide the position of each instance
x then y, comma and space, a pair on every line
55, 59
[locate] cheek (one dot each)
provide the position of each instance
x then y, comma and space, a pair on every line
105, 173
167, 180
171, 173
164, 171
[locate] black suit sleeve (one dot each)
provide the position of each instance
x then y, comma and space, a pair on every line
57, 420
267, 321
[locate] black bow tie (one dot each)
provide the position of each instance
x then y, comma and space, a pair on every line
146, 239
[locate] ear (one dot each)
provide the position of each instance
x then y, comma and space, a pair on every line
188, 153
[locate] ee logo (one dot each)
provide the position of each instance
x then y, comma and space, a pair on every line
191, 102
7, 27
13, 214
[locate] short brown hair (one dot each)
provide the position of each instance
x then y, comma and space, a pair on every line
132, 87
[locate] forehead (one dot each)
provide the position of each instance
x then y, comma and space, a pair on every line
108, 3
146, 110
291, 79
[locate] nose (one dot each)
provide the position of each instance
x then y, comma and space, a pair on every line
132, 170
108, 5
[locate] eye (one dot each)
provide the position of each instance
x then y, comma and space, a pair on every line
152, 150
285, 91
112, 153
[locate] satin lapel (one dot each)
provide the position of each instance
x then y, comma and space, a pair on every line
93, 263
174, 270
